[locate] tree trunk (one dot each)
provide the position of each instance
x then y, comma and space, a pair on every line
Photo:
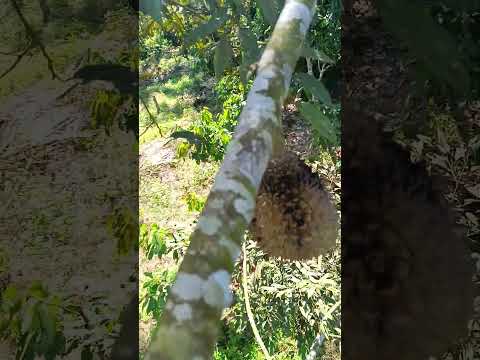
189, 325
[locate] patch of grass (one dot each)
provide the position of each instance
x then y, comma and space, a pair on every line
242, 346
238, 347
178, 85
170, 103
150, 134
182, 85
162, 200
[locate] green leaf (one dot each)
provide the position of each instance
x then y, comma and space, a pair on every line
211, 4
30, 319
152, 304
86, 353
270, 10
463, 5
328, 314
190, 136
434, 47
157, 246
248, 41
317, 54
152, 8
315, 87
153, 288
207, 28
9, 295
47, 323
319, 121
37, 291
237, 5
223, 57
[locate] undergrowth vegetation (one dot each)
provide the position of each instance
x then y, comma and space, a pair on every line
188, 115
42, 312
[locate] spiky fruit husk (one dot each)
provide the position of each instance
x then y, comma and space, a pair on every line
406, 274
294, 217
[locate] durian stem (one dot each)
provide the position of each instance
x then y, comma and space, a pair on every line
249, 309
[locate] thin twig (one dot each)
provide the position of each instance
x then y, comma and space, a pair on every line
27, 344
247, 306
68, 91
35, 41
17, 60
153, 121
322, 69
13, 52
156, 104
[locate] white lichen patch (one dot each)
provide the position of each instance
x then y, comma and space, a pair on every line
232, 248
261, 107
287, 72
295, 10
224, 183
252, 177
245, 206
182, 312
264, 77
209, 225
217, 292
188, 287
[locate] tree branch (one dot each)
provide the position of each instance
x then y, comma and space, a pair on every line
189, 325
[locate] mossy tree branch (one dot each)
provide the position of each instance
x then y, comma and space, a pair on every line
189, 325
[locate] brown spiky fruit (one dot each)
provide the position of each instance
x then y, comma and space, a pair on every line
294, 216
406, 272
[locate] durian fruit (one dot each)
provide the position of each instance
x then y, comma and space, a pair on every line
294, 216
407, 290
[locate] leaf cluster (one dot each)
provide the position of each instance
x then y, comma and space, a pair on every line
32, 319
